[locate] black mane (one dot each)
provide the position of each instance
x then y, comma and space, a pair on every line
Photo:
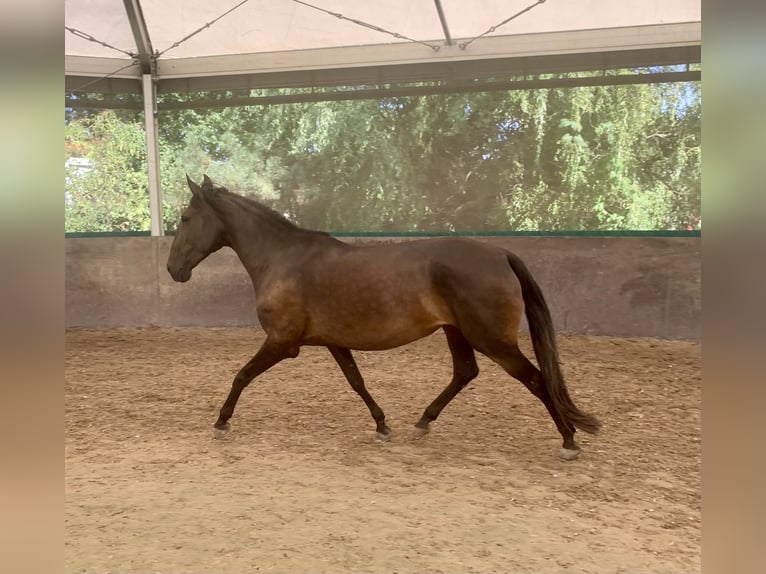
230, 203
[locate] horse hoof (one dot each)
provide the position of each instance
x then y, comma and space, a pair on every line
419, 432
220, 432
569, 454
383, 437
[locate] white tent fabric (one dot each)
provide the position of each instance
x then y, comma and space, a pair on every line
279, 35
146, 46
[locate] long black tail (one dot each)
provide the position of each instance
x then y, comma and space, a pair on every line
544, 343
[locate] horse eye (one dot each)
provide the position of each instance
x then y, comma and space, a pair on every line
184, 219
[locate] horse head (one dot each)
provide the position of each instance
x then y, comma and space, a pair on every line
200, 233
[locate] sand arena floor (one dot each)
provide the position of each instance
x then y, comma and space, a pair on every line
300, 485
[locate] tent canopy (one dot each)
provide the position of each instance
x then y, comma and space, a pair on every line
195, 45
179, 46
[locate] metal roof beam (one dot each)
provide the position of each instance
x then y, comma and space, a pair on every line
443, 20
392, 75
99, 67
546, 44
520, 55
442, 71
465, 88
141, 36
396, 91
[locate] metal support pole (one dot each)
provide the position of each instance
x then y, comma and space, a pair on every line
443, 20
153, 156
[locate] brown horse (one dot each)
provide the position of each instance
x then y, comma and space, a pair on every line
312, 289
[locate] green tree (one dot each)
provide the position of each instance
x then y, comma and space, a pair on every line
109, 192
593, 158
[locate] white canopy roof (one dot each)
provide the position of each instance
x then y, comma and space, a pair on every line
263, 43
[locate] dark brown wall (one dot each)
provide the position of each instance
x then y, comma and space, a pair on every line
621, 286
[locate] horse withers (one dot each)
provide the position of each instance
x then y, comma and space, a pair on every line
312, 289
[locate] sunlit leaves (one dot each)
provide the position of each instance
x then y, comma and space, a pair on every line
108, 191
619, 157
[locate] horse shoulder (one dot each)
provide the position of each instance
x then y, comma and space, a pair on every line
280, 308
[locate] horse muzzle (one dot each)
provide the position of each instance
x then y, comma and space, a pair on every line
179, 274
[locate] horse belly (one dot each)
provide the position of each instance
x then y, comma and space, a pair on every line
359, 322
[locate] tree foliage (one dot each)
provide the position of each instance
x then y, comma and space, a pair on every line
109, 191
595, 158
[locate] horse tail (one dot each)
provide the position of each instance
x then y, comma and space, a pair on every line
544, 343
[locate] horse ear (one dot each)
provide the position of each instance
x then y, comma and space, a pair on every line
209, 191
195, 189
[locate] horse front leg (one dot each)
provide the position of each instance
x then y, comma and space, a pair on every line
270, 353
346, 361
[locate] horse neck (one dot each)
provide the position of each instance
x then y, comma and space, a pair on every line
259, 241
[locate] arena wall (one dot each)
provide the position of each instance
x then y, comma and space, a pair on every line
617, 286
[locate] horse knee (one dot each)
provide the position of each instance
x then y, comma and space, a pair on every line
241, 381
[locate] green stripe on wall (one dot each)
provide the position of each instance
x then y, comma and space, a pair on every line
625, 233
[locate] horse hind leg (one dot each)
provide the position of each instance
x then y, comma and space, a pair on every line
519, 367
464, 370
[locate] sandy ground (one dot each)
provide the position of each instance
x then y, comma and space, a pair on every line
300, 485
